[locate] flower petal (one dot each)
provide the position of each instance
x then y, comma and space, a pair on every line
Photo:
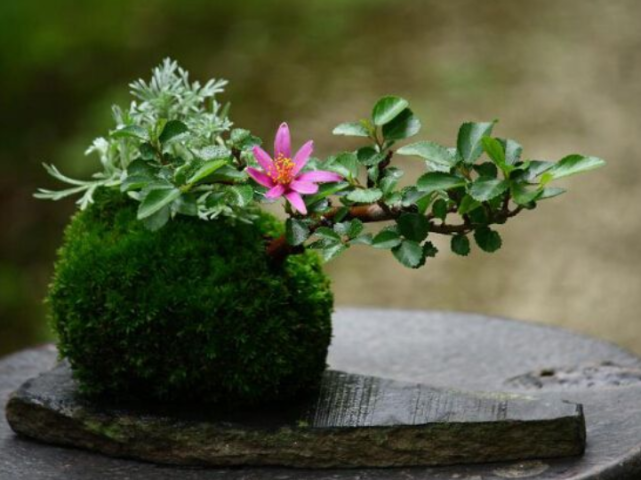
319, 176
297, 201
306, 188
276, 191
282, 142
302, 156
263, 159
262, 178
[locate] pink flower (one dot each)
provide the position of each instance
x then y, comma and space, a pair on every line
282, 174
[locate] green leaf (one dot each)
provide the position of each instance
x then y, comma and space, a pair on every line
332, 251
250, 142
390, 180
327, 233
530, 170
180, 174
423, 203
571, 165
212, 152
140, 167
460, 245
467, 205
346, 164
386, 239
412, 196
320, 206
238, 135
355, 228
173, 128
512, 150
487, 239
365, 196
243, 139
365, 239
495, 150
155, 200
478, 216
131, 131
486, 169
369, 157
241, 195
351, 129
523, 195
439, 209
434, 181
373, 173
393, 199
551, 192
351, 228
429, 249
409, 253
413, 226
147, 152
135, 182
342, 227
156, 130
341, 214
228, 173
495, 203
387, 109
296, 231
468, 143
157, 220
437, 157
325, 190
186, 204
388, 184
405, 125
485, 189
206, 170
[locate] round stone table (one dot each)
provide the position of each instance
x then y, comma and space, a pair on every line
455, 350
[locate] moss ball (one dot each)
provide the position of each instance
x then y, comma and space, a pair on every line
192, 312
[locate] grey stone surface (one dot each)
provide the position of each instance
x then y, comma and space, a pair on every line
353, 421
462, 351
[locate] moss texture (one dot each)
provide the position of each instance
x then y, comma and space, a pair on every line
194, 311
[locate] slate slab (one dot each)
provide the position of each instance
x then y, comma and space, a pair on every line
455, 350
352, 421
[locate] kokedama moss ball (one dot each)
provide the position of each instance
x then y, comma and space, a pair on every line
194, 311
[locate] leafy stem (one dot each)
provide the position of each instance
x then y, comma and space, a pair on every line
175, 153
279, 248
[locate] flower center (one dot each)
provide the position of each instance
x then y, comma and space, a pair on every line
283, 170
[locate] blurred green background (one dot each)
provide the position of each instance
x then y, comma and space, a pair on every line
562, 76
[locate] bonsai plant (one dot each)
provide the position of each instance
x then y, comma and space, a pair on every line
172, 284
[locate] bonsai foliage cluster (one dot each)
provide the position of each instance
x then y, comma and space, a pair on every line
172, 284
176, 153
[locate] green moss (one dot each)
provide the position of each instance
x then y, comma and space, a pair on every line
194, 311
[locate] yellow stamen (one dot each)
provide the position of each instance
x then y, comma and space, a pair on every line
282, 172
